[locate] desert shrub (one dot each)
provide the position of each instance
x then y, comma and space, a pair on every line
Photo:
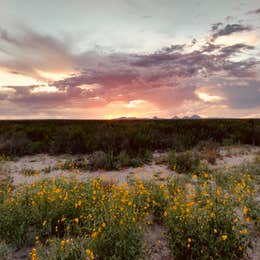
65, 249
161, 159
124, 159
35, 147
109, 161
6, 186
206, 230
74, 208
73, 219
29, 172
4, 158
119, 242
159, 200
3, 251
147, 156
70, 219
253, 212
211, 156
70, 164
228, 141
47, 169
208, 150
185, 162
102, 160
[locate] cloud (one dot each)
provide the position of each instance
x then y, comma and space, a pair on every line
256, 11
28, 51
243, 95
163, 80
218, 30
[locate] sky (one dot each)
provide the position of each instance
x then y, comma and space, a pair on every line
107, 59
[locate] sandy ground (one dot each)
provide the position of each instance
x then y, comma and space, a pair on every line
231, 157
38, 162
236, 156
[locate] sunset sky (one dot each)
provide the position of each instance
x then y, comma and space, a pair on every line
135, 58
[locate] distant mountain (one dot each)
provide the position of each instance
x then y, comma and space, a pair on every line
195, 117
156, 118
187, 117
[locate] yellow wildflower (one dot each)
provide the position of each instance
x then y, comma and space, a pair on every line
245, 210
34, 254
224, 237
90, 254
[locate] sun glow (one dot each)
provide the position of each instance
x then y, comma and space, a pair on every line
7, 90
13, 79
52, 75
207, 97
135, 103
45, 88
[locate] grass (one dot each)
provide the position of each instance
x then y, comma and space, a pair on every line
70, 219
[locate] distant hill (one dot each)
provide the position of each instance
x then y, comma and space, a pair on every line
187, 117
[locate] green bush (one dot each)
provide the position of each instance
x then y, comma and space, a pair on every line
3, 251
185, 162
102, 160
70, 164
70, 219
124, 159
29, 172
119, 242
64, 249
206, 230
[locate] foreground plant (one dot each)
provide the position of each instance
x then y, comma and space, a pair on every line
71, 219
202, 224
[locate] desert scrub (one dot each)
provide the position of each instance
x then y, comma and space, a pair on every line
30, 172
124, 160
110, 215
67, 248
110, 161
3, 251
209, 151
102, 160
202, 224
47, 169
70, 219
115, 244
71, 164
185, 162
4, 158
5, 188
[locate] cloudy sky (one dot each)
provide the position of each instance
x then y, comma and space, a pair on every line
135, 58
